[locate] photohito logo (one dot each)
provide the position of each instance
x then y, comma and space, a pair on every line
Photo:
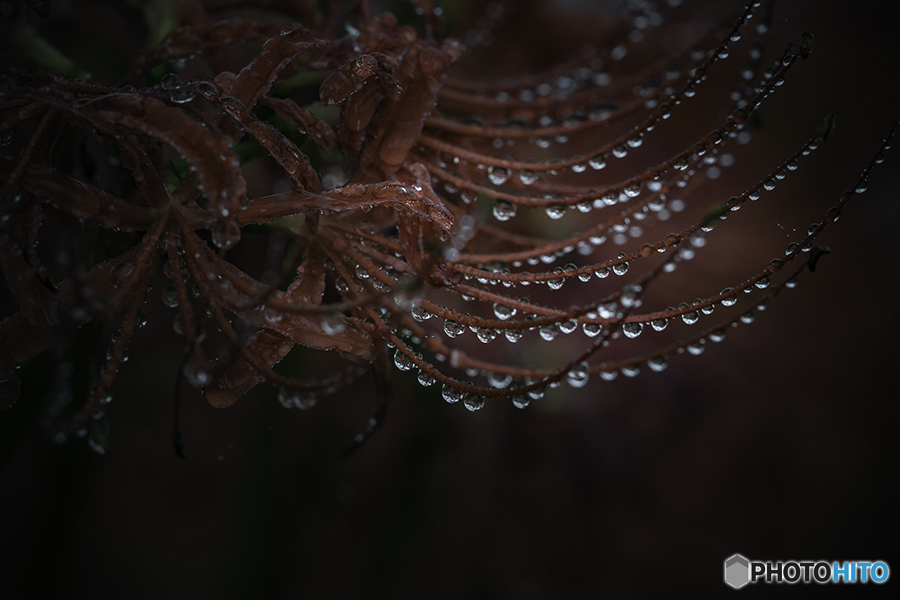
740, 570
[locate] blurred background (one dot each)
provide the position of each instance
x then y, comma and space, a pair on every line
779, 443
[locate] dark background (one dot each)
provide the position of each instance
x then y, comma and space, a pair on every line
778, 443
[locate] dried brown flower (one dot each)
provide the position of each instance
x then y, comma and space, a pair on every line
406, 213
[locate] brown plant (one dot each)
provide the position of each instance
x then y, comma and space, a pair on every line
396, 210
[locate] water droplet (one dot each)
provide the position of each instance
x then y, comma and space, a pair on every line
402, 361
629, 296
170, 80
499, 381
119, 273
271, 315
598, 162
632, 330
196, 375
486, 334
527, 176
620, 151
514, 335
286, 396
182, 95
535, 394
521, 401
453, 329
631, 370
504, 312
504, 211
304, 399
658, 363
717, 336
473, 403
419, 313
333, 323
592, 329
632, 190
549, 332
498, 175
208, 87
607, 310
568, 326
697, 347
659, 324
691, 317
555, 284
729, 301
556, 211
425, 379
451, 395
578, 376
170, 296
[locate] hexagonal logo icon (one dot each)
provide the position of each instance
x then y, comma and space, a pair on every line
737, 571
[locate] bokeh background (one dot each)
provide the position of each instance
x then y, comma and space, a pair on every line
779, 443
